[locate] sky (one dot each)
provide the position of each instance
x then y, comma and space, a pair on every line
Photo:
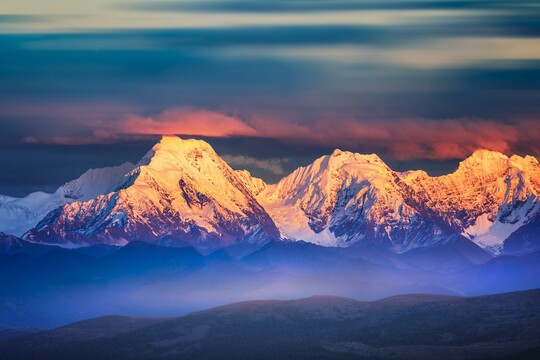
271, 84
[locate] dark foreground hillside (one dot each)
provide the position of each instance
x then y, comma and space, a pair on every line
503, 326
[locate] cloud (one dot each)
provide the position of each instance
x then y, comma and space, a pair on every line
61, 140
118, 18
400, 139
187, 121
273, 165
18, 18
284, 6
443, 53
406, 139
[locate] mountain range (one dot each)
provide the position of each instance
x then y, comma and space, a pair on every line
182, 193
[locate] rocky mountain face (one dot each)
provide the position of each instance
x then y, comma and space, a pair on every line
486, 199
342, 199
183, 192
346, 198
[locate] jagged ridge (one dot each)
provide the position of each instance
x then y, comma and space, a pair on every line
18, 215
182, 191
346, 198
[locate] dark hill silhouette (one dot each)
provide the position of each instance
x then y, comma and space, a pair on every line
320, 327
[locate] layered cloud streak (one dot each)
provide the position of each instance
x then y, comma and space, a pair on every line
399, 139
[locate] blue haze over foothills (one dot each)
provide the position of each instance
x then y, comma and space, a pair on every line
421, 83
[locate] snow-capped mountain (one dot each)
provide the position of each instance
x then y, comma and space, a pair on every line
346, 198
18, 215
486, 199
181, 190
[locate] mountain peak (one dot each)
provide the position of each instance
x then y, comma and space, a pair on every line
337, 153
174, 143
172, 152
485, 160
345, 159
182, 189
524, 161
174, 161
485, 154
493, 161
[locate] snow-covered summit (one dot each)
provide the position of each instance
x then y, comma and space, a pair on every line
326, 172
180, 189
18, 215
337, 200
347, 198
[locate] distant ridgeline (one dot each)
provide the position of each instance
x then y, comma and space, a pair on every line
420, 326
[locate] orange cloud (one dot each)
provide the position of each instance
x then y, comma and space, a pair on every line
186, 121
406, 139
401, 139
